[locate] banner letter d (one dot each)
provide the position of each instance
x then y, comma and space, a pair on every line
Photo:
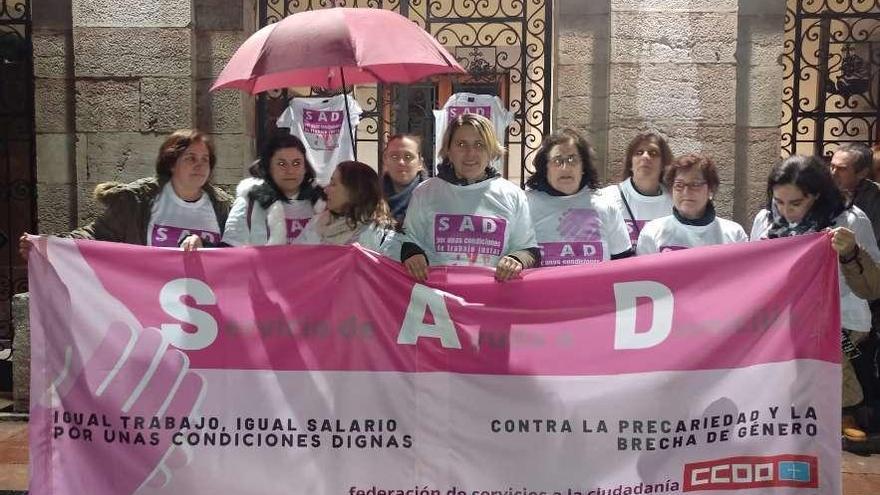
626, 295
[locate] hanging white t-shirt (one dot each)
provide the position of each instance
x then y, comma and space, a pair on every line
320, 124
669, 234
173, 219
476, 224
489, 106
297, 214
644, 208
855, 314
577, 229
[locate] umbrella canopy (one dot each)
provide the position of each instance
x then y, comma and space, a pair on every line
336, 47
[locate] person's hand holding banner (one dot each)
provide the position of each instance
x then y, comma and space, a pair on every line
96, 390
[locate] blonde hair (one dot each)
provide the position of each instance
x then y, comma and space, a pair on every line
482, 125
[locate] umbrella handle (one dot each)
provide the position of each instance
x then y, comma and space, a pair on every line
347, 115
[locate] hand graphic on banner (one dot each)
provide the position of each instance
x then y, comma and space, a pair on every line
121, 371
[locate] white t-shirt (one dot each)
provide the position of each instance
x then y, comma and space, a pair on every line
855, 314
320, 124
644, 208
297, 214
668, 234
476, 224
577, 229
173, 219
489, 106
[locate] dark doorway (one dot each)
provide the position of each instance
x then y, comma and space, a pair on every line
17, 177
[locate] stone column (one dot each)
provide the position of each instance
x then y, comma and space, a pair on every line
759, 102
672, 67
133, 76
54, 115
228, 115
581, 89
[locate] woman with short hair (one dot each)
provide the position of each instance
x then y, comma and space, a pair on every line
694, 182
642, 196
274, 205
403, 170
177, 207
573, 224
468, 214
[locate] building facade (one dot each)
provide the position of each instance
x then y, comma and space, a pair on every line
111, 78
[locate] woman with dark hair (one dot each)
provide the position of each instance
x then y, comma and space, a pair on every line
573, 225
803, 198
468, 214
177, 207
356, 212
403, 170
694, 181
641, 196
275, 206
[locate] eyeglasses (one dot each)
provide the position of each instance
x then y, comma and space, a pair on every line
406, 157
652, 153
693, 186
562, 161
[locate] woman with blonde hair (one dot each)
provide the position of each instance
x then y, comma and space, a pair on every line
468, 214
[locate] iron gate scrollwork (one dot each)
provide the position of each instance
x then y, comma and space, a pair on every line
831, 64
17, 154
502, 42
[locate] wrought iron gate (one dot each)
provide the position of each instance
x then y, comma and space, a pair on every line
17, 193
505, 45
832, 75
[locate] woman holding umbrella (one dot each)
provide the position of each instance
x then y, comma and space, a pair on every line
803, 198
573, 225
275, 205
469, 214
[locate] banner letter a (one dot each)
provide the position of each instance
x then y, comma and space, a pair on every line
414, 326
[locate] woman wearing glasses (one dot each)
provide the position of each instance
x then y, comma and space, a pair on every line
694, 180
403, 168
468, 214
642, 196
573, 224
275, 206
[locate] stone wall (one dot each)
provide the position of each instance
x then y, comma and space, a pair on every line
581, 59
54, 115
759, 101
704, 72
21, 358
113, 78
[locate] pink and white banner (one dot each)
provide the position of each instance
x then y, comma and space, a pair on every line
327, 370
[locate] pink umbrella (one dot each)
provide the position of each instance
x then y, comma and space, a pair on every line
335, 47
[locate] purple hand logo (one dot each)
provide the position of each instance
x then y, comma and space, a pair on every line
579, 224
99, 363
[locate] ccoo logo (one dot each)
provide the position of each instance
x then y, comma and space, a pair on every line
739, 473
